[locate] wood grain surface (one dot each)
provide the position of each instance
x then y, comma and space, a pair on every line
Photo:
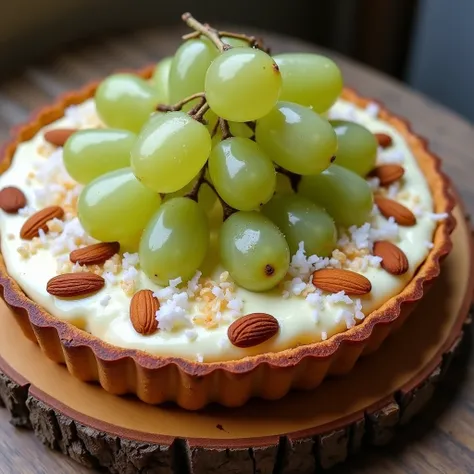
441, 439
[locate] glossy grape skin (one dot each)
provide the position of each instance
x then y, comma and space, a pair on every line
90, 153
253, 251
211, 206
237, 129
309, 79
242, 174
357, 147
175, 241
242, 84
344, 194
160, 79
188, 69
170, 152
296, 138
301, 220
117, 207
125, 101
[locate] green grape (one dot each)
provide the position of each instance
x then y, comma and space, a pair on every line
175, 241
242, 174
253, 251
309, 79
356, 147
242, 84
126, 101
188, 69
160, 79
211, 206
283, 184
344, 194
297, 138
301, 220
93, 152
170, 151
117, 207
237, 129
235, 42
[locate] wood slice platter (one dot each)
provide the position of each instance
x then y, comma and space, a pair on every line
295, 435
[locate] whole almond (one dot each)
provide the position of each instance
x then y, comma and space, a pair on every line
334, 280
384, 140
58, 136
69, 285
252, 329
94, 254
387, 174
143, 308
12, 199
390, 208
394, 260
39, 220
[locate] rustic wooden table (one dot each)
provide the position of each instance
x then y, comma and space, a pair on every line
441, 439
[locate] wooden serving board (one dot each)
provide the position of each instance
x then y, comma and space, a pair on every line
294, 435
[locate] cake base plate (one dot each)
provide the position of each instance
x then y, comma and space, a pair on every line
295, 435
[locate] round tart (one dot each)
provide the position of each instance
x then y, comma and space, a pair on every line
300, 265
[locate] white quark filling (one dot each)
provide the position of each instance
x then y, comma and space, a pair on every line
194, 316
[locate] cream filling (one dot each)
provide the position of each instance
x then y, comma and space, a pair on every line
298, 324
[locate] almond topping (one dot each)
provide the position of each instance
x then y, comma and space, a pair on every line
334, 280
394, 260
39, 221
69, 285
384, 140
94, 254
387, 174
12, 199
58, 136
390, 208
143, 308
252, 329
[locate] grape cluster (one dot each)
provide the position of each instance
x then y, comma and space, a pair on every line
227, 140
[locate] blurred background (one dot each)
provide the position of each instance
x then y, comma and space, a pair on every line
428, 44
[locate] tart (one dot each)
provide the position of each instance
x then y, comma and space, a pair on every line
296, 269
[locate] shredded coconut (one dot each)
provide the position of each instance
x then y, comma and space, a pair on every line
372, 110
437, 217
392, 155
324, 335
173, 312
191, 334
428, 244
105, 300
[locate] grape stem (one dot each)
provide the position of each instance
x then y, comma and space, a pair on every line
253, 41
207, 31
294, 178
225, 129
199, 114
228, 211
179, 105
193, 194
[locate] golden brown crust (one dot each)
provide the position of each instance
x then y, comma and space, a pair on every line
270, 375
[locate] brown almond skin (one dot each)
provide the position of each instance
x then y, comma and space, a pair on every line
58, 136
143, 308
94, 254
390, 208
387, 174
394, 260
384, 140
252, 329
12, 199
70, 285
37, 221
334, 280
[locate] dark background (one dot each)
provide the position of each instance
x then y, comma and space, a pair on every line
427, 43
